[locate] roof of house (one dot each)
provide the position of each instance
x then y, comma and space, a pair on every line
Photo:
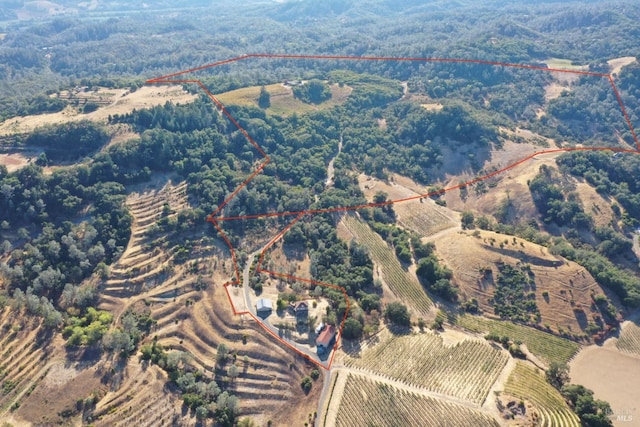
302, 305
326, 336
264, 304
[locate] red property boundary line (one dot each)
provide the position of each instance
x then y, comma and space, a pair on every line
176, 78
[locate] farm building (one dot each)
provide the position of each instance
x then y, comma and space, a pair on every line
325, 338
264, 306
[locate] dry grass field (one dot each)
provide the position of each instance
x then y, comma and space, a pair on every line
565, 306
423, 217
112, 101
616, 64
283, 103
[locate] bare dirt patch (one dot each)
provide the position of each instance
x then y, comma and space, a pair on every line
14, 161
554, 90
613, 376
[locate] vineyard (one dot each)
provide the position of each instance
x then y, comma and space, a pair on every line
402, 283
370, 403
528, 382
176, 275
424, 217
23, 362
466, 370
629, 340
542, 344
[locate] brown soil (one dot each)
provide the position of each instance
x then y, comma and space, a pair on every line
14, 161
613, 376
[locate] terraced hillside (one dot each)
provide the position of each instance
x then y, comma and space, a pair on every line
176, 276
363, 399
529, 383
466, 370
402, 283
562, 289
24, 361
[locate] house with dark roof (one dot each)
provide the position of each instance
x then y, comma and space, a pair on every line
301, 309
325, 339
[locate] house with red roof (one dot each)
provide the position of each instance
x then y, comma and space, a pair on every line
325, 339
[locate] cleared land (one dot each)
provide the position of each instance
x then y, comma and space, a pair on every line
466, 370
613, 376
283, 103
111, 101
564, 64
617, 63
14, 161
402, 283
542, 344
371, 403
528, 382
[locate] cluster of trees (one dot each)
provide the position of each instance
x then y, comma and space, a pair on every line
201, 394
125, 338
611, 174
313, 92
433, 275
553, 202
514, 297
68, 141
88, 329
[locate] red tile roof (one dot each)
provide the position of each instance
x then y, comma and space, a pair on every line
326, 336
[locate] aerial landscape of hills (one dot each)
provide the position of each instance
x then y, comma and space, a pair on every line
338, 213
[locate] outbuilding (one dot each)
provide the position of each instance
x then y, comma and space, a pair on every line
325, 339
264, 306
